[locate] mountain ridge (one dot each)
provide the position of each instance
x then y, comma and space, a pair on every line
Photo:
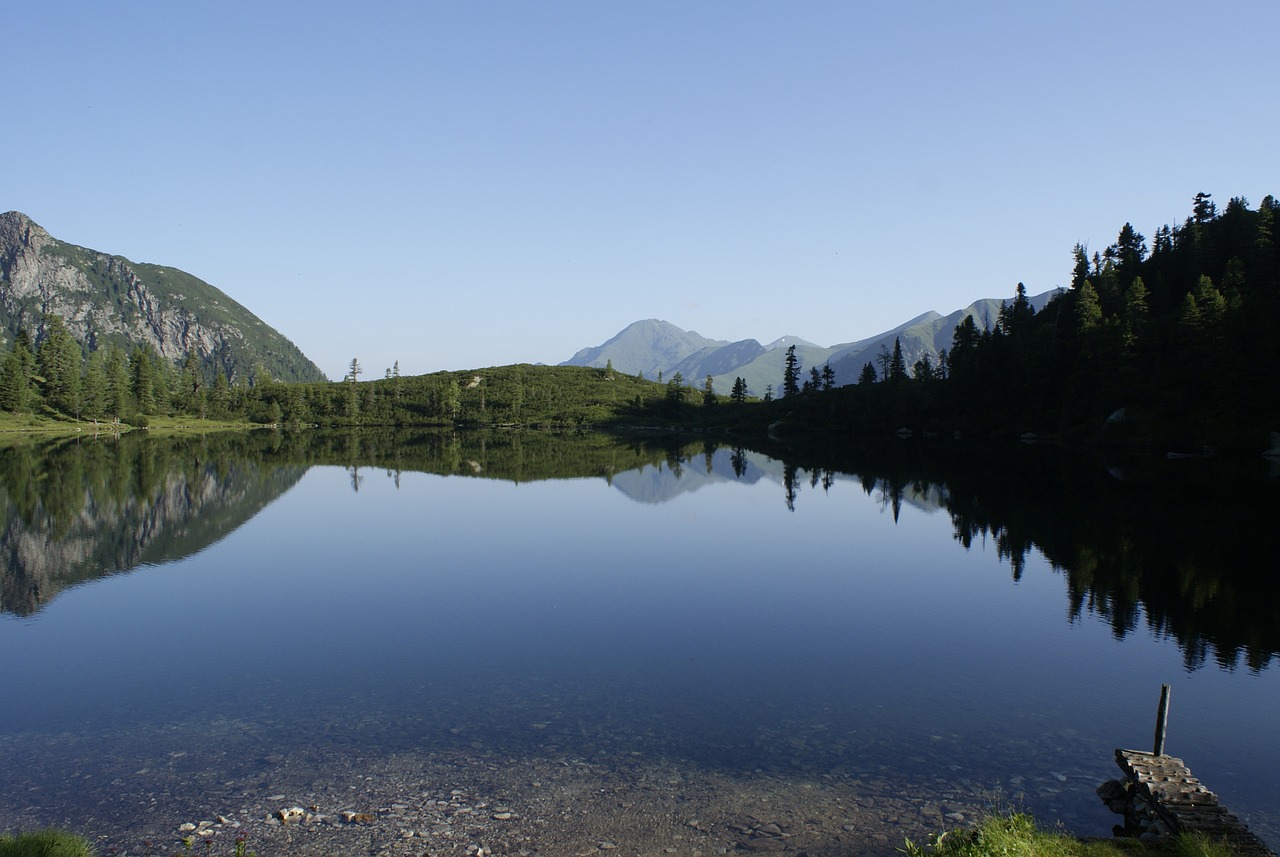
105, 299
674, 350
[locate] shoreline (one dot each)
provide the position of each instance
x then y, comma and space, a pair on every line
489, 804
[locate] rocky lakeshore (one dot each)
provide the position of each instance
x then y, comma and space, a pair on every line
459, 805
143, 795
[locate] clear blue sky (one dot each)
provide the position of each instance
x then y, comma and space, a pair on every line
464, 184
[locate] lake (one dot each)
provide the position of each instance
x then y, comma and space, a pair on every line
646, 643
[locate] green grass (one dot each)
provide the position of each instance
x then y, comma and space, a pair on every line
38, 423
42, 424
45, 843
1016, 835
182, 424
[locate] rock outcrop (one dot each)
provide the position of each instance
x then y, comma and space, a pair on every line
105, 299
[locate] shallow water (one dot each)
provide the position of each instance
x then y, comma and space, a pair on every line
681, 616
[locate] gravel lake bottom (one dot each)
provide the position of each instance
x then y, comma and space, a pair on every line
187, 789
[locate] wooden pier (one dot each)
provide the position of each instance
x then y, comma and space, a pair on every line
1160, 798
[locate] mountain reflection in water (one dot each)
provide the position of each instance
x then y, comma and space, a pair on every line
82, 508
1182, 546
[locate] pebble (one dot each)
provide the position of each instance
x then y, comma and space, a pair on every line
764, 843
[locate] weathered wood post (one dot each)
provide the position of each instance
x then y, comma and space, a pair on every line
1162, 720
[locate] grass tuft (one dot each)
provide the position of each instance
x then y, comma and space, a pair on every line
45, 843
1016, 835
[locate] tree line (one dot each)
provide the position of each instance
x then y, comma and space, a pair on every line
1174, 341
50, 374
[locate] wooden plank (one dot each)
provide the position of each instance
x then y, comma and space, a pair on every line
1169, 790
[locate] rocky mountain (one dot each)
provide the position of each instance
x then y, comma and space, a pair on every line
105, 299
654, 346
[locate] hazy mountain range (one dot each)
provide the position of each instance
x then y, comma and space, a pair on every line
106, 299
655, 347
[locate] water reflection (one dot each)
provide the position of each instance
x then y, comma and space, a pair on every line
1190, 546
649, 598
79, 509
1187, 550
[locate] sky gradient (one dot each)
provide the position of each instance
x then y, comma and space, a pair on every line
456, 185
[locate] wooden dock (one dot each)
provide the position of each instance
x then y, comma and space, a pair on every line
1159, 798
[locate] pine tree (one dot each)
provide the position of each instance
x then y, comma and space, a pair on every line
791, 373
351, 402
190, 397
119, 394
143, 380
1135, 311
1088, 310
1209, 301
16, 374
883, 358
923, 369
94, 386
1015, 318
708, 392
1130, 248
14, 386
738, 394
897, 363
1204, 209
1080, 268
58, 362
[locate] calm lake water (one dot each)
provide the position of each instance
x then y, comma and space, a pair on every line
719, 609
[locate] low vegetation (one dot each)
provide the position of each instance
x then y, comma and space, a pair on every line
44, 843
1016, 835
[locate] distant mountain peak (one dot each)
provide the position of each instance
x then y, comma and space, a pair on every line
788, 341
649, 346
